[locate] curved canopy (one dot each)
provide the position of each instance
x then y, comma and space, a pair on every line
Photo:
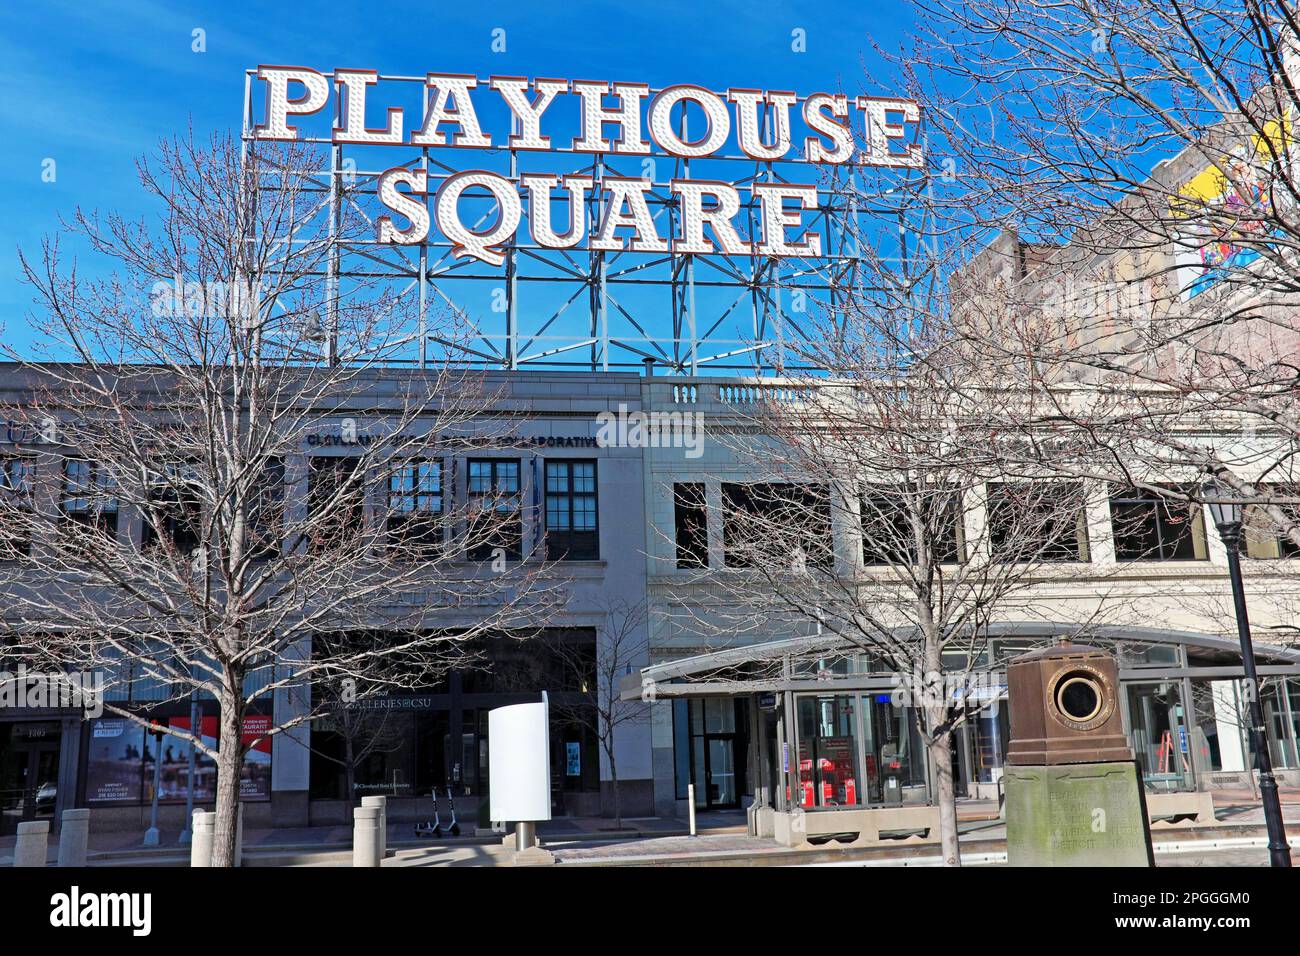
700, 672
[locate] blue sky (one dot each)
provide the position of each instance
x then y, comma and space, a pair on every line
93, 85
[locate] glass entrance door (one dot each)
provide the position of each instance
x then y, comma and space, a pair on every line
29, 774
721, 772
716, 742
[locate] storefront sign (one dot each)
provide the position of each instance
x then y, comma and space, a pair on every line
591, 117
344, 438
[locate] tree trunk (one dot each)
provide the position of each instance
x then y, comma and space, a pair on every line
613, 782
229, 759
946, 797
349, 774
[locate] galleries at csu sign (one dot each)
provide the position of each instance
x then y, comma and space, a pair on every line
610, 119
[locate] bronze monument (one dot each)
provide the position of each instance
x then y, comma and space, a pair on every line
1073, 789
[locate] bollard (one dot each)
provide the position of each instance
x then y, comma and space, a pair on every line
382, 804
690, 805
33, 838
74, 834
365, 836
201, 838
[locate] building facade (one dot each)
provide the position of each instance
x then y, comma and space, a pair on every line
571, 501
788, 717
651, 465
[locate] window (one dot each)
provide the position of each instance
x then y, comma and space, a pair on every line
1150, 526
1038, 521
175, 511
495, 521
415, 506
333, 501
775, 523
1263, 538
16, 510
887, 512
266, 510
828, 751
571, 531
691, 523
88, 497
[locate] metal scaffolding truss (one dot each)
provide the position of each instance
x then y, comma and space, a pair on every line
582, 308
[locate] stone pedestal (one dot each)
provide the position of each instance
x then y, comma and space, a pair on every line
381, 802
365, 837
74, 836
32, 843
202, 834
534, 856
1088, 814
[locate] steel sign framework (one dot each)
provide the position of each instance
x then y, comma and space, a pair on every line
581, 306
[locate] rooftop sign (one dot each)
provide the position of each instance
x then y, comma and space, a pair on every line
599, 119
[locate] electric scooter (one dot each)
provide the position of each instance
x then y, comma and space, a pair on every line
454, 827
432, 827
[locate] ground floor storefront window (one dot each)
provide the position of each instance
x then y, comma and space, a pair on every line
418, 744
120, 756
1160, 734
405, 753
1281, 700
855, 749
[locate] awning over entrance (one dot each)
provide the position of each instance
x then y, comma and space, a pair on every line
783, 664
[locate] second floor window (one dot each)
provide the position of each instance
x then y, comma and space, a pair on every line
691, 524
494, 518
415, 506
892, 515
89, 497
266, 510
571, 529
334, 502
1037, 521
1150, 526
773, 524
174, 513
16, 510
1262, 536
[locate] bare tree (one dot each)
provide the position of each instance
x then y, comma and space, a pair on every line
621, 646
1131, 167
205, 361
887, 515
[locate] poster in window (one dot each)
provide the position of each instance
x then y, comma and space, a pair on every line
254, 779
114, 761
573, 765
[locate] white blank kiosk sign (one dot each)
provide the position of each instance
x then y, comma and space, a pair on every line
519, 763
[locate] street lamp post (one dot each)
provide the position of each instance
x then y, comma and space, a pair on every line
151, 835
1227, 518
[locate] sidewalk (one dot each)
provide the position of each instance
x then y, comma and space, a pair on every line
723, 839
124, 848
